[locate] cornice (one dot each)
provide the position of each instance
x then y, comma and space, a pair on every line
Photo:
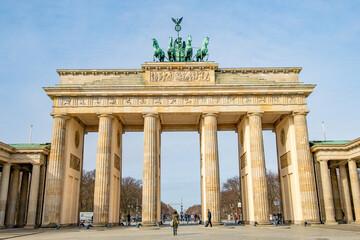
32, 150
6, 147
85, 72
179, 66
265, 70
116, 90
344, 147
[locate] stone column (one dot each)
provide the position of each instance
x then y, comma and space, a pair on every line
355, 188
346, 193
305, 169
258, 170
150, 170
211, 164
327, 193
20, 221
158, 213
336, 194
4, 188
54, 175
102, 175
13, 195
33, 198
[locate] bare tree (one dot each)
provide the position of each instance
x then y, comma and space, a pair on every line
87, 191
130, 196
230, 196
273, 188
195, 209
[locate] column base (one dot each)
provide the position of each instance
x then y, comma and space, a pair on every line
331, 223
148, 224
29, 227
356, 222
217, 223
50, 225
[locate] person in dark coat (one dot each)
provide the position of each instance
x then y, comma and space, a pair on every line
128, 219
209, 218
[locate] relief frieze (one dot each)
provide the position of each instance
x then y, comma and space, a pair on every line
135, 101
180, 76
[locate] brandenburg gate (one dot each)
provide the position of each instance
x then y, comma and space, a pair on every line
180, 96
183, 94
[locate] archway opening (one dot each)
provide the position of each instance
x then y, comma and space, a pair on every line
272, 175
230, 194
180, 171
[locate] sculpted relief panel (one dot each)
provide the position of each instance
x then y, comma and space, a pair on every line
181, 100
180, 76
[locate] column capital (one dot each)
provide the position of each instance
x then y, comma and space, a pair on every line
206, 114
323, 160
254, 113
342, 163
351, 160
105, 115
15, 167
154, 115
300, 112
60, 115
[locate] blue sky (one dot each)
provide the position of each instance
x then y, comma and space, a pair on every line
38, 37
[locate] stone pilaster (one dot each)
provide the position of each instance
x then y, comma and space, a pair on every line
13, 197
309, 203
33, 198
211, 164
258, 170
150, 170
20, 222
4, 188
355, 188
327, 193
346, 193
102, 175
336, 194
54, 175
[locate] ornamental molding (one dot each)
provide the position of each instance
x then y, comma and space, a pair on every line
179, 100
177, 66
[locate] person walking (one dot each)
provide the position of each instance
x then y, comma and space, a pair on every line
209, 219
175, 222
128, 219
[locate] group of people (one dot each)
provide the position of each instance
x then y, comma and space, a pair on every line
175, 221
187, 218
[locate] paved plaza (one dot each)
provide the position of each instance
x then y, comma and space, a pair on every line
320, 232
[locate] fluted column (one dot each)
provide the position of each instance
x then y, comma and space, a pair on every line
54, 175
336, 194
102, 173
150, 170
355, 188
23, 199
33, 198
211, 164
4, 188
13, 196
305, 169
327, 193
258, 170
346, 193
